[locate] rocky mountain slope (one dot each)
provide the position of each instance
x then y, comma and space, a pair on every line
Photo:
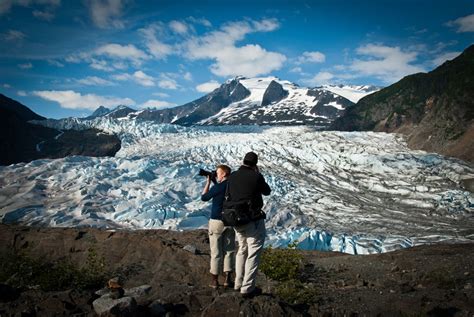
266, 100
118, 112
431, 280
243, 101
22, 141
434, 110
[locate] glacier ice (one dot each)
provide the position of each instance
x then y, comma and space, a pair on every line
354, 192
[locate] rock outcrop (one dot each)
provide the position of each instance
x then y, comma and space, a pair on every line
160, 277
22, 141
273, 93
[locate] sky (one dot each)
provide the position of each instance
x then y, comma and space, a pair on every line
66, 58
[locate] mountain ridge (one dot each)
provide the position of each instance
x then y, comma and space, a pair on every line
23, 141
434, 110
260, 100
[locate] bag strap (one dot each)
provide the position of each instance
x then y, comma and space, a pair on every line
227, 191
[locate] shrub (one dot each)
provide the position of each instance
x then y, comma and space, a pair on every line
281, 264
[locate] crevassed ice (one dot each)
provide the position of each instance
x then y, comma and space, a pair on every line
354, 192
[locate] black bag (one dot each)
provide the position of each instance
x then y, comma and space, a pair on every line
238, 213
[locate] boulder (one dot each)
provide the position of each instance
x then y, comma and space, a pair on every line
106, 306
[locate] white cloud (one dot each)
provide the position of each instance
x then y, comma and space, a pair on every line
445, 57
266, 25
160, 94
13, 35
120, 65
55, 63
101, 65
94, 81
296, 70
139, 77
21, 93
25, 66
387, 63
143, 79
110, 56
319, 79
188, 76
464, 24
168, 84
158, 104
43, 15
179, 27
208, 87
157, 48
201, 21
311, 57
128, 52
230, 60
70, 99
8, 86
106, 13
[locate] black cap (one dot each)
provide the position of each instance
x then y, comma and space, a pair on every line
251, 159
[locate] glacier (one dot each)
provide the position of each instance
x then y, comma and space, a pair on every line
353, 192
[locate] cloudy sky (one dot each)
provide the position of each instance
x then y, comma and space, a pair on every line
65, 58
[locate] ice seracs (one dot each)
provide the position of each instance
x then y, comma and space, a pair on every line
350, 192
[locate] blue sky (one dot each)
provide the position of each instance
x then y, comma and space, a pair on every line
66, 58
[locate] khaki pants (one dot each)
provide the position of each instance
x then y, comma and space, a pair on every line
251, 238
222, 243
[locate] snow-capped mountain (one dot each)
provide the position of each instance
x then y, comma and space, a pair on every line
351, 92
355, 192
271, 101
245, 101
118, 112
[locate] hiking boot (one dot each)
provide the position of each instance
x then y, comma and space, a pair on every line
255, 292
214, 281
228, 283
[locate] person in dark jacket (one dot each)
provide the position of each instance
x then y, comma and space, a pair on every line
247, 184
221, 238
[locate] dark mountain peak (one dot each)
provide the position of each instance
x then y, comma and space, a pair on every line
99, 112
21, 111
120, 111
273, 93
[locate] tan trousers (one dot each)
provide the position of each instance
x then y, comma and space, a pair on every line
222, 243
251, 238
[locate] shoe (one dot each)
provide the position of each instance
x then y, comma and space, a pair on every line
255, 292
214, 281
228, 283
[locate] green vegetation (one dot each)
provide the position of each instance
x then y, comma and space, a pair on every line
22, 271
285, 267
281, 264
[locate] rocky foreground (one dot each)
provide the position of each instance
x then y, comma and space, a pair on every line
170, 270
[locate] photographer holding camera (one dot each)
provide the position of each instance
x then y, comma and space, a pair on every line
221, 238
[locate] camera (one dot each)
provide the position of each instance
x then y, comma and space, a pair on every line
212, 175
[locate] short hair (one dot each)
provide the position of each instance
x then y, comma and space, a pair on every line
225, 168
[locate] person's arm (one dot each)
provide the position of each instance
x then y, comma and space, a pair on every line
205, 191
263, 186
208, 194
